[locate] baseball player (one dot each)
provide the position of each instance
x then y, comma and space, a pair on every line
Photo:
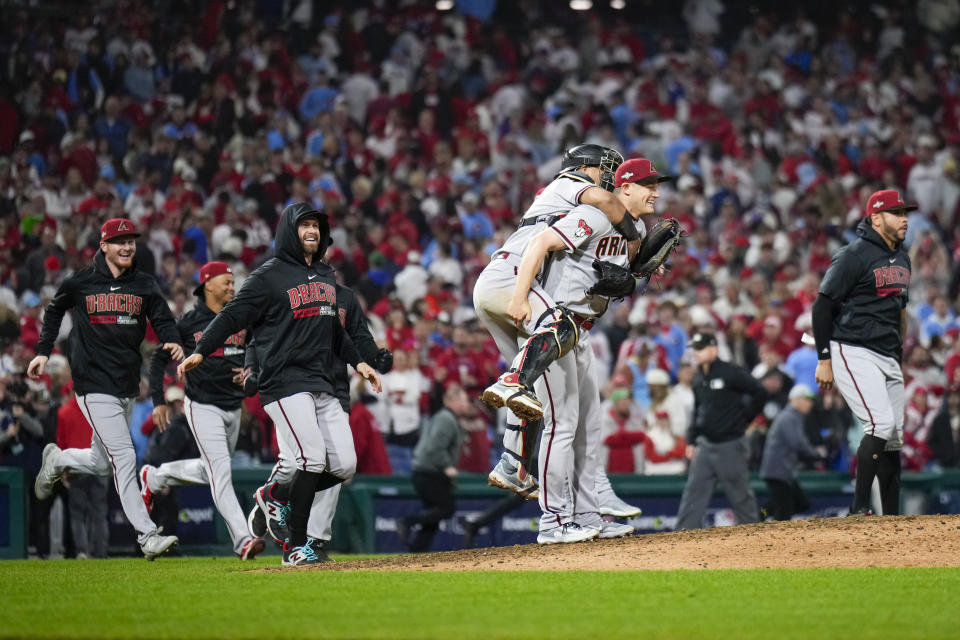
586, 177
290, 306
859, 321
271, 507
569, 451
212, 407
111, 302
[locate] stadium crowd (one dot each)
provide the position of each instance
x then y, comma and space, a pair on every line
425, 134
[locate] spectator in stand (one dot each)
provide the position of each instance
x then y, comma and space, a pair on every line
664, 452
404, 391
87, 494
621, 431
943, 439
787, 443
435, 469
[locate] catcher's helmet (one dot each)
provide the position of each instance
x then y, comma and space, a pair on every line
593, 155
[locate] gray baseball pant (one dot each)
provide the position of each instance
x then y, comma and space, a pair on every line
216, 432
111, 450
726, 463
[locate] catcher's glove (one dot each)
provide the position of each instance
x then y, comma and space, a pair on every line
656, 247
614, 281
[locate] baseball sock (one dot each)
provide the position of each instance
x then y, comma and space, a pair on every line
868, 461
888, 473
302, 490
328, 480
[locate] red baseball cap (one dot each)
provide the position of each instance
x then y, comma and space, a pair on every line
117, 228
209, 271
637, 170
887, 200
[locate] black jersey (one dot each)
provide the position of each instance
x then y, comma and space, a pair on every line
212, 381
110, 320
868, 281
291, 309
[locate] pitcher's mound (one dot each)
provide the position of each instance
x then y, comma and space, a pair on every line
902, 541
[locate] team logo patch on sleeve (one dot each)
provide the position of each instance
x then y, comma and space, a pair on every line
583, 229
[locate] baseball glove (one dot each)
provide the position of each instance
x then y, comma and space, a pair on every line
657, 247
613, 281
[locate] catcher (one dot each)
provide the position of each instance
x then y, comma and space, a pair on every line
583, 246
555, 338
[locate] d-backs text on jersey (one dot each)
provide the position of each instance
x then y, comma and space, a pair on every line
891, 281
311, 293
113, 303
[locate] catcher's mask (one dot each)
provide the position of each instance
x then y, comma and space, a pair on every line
593, 155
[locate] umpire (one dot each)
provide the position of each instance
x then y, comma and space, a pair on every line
726, 399
859, 321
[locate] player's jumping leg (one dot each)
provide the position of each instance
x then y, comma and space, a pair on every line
556, 337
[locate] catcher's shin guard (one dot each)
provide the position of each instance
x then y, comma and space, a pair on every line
546, 346
542, 349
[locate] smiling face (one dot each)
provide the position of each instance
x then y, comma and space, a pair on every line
639, 198
120, 251
308, 230
221, 288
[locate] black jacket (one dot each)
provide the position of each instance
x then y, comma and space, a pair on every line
110, 319
211, 382
943, 445
726, 398
291, 309
353, 320
867, 283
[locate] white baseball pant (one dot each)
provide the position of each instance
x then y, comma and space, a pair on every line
216, 432
491, 295
590, 480
872, 386
111, 450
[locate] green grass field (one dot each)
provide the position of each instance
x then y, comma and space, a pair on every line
216, 598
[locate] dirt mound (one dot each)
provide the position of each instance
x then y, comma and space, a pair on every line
903, 541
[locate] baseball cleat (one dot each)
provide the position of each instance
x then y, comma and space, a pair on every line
256, 522
47, 477
145, 492
275, 513
568, 533
506, 476
156, 544
614, 530
496, 395
252, 548
298, 556
617, 508
525, 405
317, 546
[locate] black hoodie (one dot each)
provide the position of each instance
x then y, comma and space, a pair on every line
291, 309
867, 282
353, 320
110, 319
211, 382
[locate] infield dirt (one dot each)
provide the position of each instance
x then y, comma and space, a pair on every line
901, 541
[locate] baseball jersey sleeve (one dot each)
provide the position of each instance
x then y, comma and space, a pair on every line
160, 316
578, 226
243, 311
842, 275
571, 190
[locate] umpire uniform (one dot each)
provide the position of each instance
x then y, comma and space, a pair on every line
858, 320
726, 399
